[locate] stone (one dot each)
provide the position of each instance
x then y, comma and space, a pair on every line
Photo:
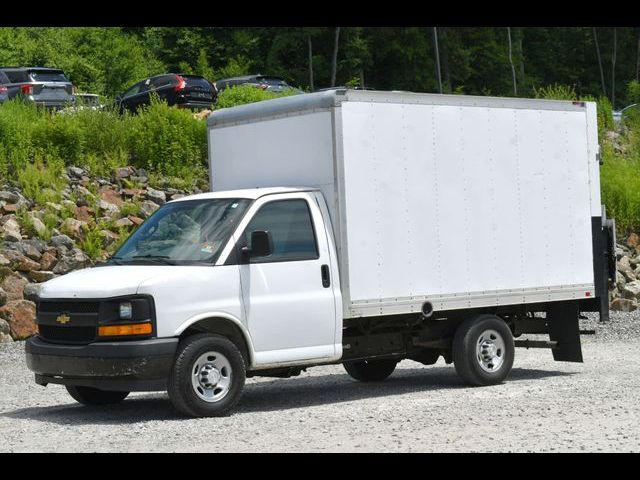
123, 222
176, 196
147, 208
21, 317
73, 260
75, 172
19, 262
10, 208
156, 196
111, 196
62, 241
633, 240
137, 221
56, 207
109, 209
84, 214
3, 297
5, 332
108, 237
9, 197
38, 226
624, 305
631, 290
4, 261
13, 285
39, 276
123, 172
133, 192
11, 231
140, 179
32, 291
29, 250
73, 227
48, 261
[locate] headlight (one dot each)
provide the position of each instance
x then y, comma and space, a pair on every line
126, 311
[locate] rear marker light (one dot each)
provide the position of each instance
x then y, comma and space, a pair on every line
27, 89
124, 330
587, 294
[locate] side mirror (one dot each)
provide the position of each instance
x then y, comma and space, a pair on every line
261, 244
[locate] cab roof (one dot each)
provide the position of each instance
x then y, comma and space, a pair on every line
249, 193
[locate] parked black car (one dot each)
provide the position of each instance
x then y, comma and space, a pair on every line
48, 87
272, 84
185, 91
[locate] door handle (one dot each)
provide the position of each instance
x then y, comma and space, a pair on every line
326, 279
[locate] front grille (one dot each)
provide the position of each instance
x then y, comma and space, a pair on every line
69, 307
67, 334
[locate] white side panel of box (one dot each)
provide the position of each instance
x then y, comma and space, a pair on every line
292, 151
464, 205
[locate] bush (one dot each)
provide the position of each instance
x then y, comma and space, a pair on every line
168, 140
242, 94
621, 190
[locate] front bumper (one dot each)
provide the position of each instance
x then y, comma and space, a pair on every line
123, 366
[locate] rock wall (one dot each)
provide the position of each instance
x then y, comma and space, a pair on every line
32, 253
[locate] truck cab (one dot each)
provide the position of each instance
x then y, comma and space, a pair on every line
209, 263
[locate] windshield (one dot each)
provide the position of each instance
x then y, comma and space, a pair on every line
48, 76
185, 232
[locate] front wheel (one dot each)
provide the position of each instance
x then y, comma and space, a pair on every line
94, 396
370, 370
483, 350
207, 377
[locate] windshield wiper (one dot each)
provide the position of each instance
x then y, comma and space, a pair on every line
155, 258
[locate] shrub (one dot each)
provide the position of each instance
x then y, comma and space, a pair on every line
168, 140
42, 182
242, 94
556, 92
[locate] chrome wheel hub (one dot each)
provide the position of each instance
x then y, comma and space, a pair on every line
490, 351
211, 376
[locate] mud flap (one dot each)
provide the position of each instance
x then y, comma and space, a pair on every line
564, 328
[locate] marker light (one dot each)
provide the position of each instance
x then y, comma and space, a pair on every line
123, 330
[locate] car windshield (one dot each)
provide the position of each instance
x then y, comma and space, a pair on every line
184, 232
48, 76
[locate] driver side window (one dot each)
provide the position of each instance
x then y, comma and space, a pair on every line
291, 228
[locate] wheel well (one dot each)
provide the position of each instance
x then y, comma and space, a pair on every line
224, 327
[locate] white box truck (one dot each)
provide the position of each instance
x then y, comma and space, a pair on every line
350, 227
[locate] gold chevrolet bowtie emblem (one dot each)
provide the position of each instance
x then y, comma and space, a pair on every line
63, 319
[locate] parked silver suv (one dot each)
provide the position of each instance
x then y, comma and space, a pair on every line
48, 87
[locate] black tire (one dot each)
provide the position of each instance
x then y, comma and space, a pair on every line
370, 370
94, 396
181, 391
468, 362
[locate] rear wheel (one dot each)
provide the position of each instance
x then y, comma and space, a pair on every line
94, 396
370, 370
207, 377
483, 350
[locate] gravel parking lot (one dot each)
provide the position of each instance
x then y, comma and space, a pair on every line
544, 407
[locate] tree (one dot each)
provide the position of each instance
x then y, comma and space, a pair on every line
513, 68
334, 58
437, 53
595, 38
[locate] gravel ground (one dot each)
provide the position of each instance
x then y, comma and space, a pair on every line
544, 406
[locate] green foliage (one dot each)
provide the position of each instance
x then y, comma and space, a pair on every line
621, 190
91, 242
129, 208
42, 182
168, 140
556, 92
242, 94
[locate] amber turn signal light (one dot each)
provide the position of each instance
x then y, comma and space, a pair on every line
123, 330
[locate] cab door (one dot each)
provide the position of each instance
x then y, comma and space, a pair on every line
288, 297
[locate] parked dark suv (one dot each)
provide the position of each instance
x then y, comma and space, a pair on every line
7, 92
185, 91
272, 84
48, 87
